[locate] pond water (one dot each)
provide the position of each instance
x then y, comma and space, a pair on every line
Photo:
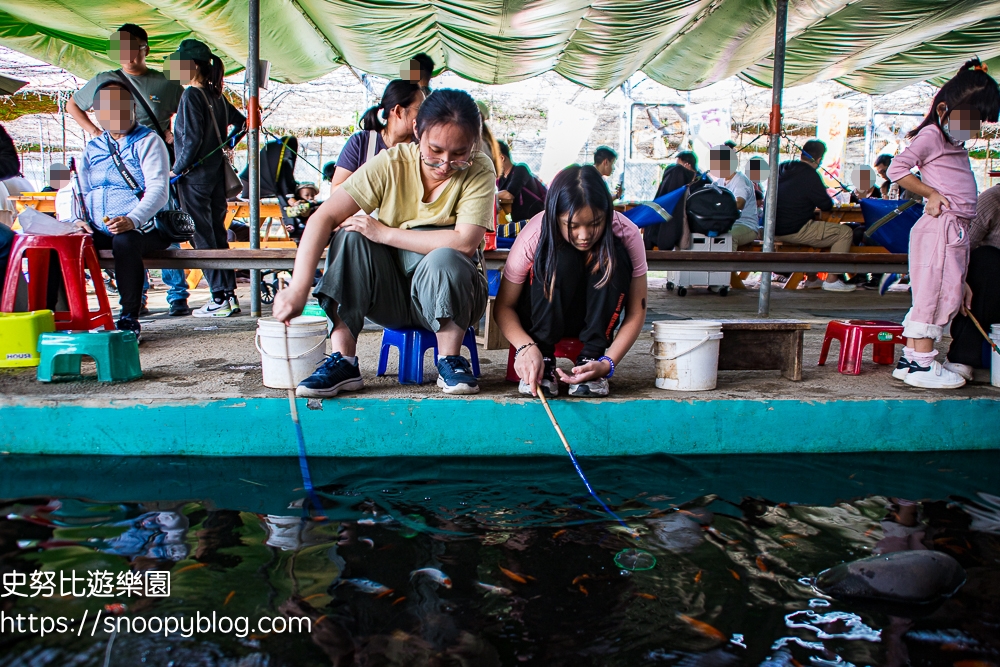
490, 561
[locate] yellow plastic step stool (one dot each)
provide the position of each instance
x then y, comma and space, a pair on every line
19, 334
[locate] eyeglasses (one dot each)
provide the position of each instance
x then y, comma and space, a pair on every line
457, 165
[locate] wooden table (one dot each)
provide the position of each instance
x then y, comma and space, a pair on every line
849, 213
44, 202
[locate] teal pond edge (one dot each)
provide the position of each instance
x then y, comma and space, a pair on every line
369, 427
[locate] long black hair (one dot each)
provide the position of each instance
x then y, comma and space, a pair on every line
398, 92
972, 88
212, 74
447, 106
574, 189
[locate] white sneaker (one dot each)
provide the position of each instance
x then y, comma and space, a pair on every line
963, 370
234, 305
213, 309
838, 286
902, 369
814, 283
934, 376
549, 383
594, 388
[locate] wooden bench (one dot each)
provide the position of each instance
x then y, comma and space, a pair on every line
762, 345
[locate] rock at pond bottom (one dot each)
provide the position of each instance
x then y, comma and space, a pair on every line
902, 576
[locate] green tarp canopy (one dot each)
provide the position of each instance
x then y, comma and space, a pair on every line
874, 46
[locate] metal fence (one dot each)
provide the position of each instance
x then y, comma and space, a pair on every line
641, 179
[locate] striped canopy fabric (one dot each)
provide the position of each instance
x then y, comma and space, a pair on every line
873, 46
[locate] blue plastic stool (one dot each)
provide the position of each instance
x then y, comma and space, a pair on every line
493, 280
413, 345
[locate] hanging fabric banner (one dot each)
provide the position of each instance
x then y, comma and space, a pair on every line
709, 124
568, 131
831, 129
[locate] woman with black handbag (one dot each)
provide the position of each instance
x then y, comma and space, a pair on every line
203, 119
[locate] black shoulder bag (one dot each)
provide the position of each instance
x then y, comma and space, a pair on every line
172, 224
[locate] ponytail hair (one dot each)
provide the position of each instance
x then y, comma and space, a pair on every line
971, 88
573, 189
397, 93
212, 73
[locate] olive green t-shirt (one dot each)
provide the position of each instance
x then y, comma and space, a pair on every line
161, 94
390, 182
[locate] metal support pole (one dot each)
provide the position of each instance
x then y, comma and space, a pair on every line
253, 144
773, 150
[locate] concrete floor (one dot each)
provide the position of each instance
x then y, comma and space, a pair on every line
197, 359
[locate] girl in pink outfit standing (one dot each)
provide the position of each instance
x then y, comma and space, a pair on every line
939, 243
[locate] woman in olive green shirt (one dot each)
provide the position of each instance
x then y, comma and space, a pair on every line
416, 264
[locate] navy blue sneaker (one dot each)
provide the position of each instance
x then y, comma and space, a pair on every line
455, 376
333, 376
888, 280
129, 323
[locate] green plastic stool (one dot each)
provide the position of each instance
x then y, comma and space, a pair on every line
116, 354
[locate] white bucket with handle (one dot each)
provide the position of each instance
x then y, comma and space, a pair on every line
306, 349
994, 357
687, 354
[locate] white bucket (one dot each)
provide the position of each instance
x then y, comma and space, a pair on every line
994, 357
687, 354
306, 349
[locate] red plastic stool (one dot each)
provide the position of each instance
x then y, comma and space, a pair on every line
567, 348
855, 335
76, 253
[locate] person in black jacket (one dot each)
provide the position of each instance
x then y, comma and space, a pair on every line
10, 161
277, 169
666, 235
517, 186
202, 186
800, 193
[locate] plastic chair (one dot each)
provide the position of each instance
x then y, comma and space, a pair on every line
855, 335
413, 345
116, 354
567, 348
76, 254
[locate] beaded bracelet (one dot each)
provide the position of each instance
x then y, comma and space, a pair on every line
522, 348
610, 361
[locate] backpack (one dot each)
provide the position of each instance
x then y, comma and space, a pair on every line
711, 210
536, 192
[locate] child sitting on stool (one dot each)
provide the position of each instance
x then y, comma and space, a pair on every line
574, 271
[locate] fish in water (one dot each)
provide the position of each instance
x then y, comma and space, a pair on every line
436, 575
902, 576
495, 590
368, 586
703, 627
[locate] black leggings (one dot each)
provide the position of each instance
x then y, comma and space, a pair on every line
968, 345
128, 249
578, 307
206, 203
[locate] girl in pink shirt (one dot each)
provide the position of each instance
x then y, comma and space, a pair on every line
577, 270
939, 242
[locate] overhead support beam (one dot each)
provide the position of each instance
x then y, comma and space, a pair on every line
773, 151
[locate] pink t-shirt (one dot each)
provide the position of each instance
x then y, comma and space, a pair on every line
943, 166
522, 253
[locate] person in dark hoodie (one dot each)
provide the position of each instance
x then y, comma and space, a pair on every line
666, 235
800, 193
277, 169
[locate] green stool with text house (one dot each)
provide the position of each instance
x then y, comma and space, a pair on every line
115, 352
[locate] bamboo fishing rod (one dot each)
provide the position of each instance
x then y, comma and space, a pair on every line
576, 464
